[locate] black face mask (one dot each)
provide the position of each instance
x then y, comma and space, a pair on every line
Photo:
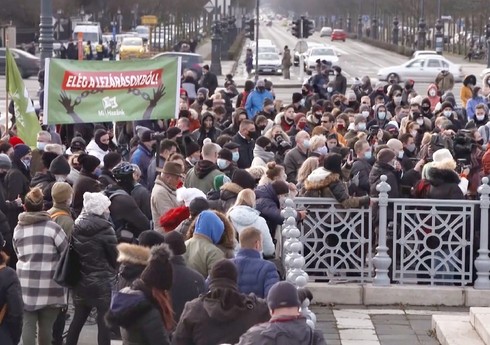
261, 88
304, 92
337, 103
200, 100
261, 127
425, 109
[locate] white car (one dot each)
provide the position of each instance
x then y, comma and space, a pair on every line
320, 53
269, 63
422, 69
307, 45
326, 31
418, 53
267, 49
261, 42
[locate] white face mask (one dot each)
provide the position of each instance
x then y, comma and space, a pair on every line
397, 99
329, 89
381, 115
60, 178
40, 146
447, 113
222, 163
365, 113
322, 150
480, 117
420, 121
432, 93
361, 126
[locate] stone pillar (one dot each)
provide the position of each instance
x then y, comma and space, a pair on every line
382, 261
482, 263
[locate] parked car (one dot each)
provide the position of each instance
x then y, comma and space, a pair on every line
27, 64
424, 68
190, 61
418, 53
297, 50
320, 53
338, 35
326, 31
269, 63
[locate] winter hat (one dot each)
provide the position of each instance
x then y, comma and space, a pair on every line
225, 154
173, 217
280, 187
96, 203
172, 168
208, 224
190, 146
443, 159
268, 84
333, 163
395, 144
243, 179
59, 166
268, 101
260, 83
111, 160
5, 162
297, 97
283, 295
224, 269
47, 158
20, 150
204, 91
88, 162
14, 141
358, 119
198, 205
298, 117
385, 155
175, 241
219, 181
231, 146
158, 273
146, 136
173, 132
61, 192
206, 67
186, 195
263, 142
150, 238
78, 144
447, 105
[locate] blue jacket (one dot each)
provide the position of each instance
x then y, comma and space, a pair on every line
255, 102
268, 206
142, 158
254, 273
471, 106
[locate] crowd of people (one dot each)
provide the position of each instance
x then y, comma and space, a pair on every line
175, 222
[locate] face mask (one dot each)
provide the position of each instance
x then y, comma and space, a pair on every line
329, 89
251, 134
262, 127
60, 178
397, 99
40, 146
337, 103
480, 142
381, 115
447, 113
368, 155
365, 113
200, 99
361, 126
318, 115
222, 163
480, 117
26, 161
301, 125
322, 150
432, 93
426, 109
411, 147
193, 160
340, 126
420, 121
304, 92
236, 156
261, 89
351, 127
306, 144
400, 154
413, 133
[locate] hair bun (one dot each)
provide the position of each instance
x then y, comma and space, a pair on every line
271, 165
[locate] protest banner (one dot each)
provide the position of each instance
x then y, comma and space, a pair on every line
111, 91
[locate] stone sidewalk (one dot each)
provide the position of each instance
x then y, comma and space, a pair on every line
359, 325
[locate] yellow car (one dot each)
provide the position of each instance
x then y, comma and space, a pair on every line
132, 47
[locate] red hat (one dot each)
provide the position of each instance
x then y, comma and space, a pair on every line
15, 141
172, 219
298, 117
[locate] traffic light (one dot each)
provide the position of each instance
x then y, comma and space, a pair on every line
296, 28
308, 28
250, 29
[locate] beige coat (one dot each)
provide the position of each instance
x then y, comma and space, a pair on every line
163, 198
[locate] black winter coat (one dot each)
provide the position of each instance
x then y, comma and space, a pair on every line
246, 151
393, 179
444, 184
95, 242
10, 294
17, 180
363, 168
86, 183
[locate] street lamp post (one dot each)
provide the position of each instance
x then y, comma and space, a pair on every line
46, 32
215, 39
439, 37
224, 36
375, 28
395, 31
421, 35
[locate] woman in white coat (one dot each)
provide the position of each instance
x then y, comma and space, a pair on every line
99, 145
243, 215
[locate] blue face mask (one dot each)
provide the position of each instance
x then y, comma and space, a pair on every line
236, 156
222, 163
368, 155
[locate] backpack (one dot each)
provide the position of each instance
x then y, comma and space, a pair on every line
59, 213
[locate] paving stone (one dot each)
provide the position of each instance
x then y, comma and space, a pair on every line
394, 329
357, 334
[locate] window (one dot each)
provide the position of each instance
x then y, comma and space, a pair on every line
416, 63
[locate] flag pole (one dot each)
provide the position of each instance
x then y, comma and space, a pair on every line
6, 87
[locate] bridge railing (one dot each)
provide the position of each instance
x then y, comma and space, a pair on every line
403, 241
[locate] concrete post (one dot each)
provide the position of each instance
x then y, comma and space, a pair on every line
382, 261
482, 263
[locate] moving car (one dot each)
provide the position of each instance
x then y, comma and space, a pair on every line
424, 68
269, 63
338, 35
326, 31
28, 64
190, 61
307, 45
132, 47
418, 53
320, 53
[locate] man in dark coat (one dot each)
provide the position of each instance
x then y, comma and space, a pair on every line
361, 169
86, 182
296, 157
208, 80
340, 81
244, 139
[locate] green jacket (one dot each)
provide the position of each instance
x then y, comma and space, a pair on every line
201, 254
62, 217
202, 176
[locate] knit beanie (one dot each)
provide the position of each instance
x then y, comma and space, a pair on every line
175, 241
203, 91
385, 155
61, 192
5, 162
197, 206
283, 295
78, 144
190, 146
447, 105
333, 163
150, 238
280, 187
95, 203
20, 150
224, 269
158, 273
219, 181
88, 162
111, 160
297, 97
60, 166
243, 178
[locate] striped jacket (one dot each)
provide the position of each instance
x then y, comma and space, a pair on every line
39, 242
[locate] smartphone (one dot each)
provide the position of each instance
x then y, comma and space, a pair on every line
351, 154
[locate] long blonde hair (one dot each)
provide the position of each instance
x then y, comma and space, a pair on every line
245, 197
307, 167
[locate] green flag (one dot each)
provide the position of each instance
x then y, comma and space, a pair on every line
26, 119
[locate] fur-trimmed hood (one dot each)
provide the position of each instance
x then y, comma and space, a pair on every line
230, 191
320, 178
438, 177
133, 254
